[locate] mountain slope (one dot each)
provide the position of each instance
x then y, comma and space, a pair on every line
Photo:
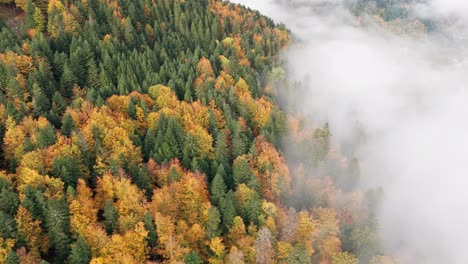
141, 131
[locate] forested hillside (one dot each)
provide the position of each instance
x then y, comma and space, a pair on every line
148, 131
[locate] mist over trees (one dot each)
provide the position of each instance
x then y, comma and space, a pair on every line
389, 90
139, 131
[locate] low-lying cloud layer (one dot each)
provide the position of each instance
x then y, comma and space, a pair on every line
410, 95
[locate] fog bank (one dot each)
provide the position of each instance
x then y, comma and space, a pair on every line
410, 95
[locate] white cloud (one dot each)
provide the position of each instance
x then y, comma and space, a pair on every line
449, 7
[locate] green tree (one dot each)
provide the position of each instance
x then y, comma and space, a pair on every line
298, 256
9, 201
81, 57
193, 258
30, 9
221, 150
218, 188
46, 136
237, 141
67, 125
111, 216
241, 171
8, 228
228, 209
80, 252
40, 101
57, 222
214, 221
68, 169
35, 202
173, 175
151, 228
321, 145
141, 179
132, 110
67, 80
12, 258
169, 140
39, 19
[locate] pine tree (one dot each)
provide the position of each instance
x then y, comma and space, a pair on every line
241, 171
238, 144
46, 136
30, 8
193, 258
39, 19
213, 224
129, 33
68, 169
151, 228
80, 252
132, 110
188, 95
57, 222
59, 102
4, 77
173, 175
40, 101
221, 150
228, 209
12, 258
169, 140
141, 179
9, 201
321, 145
149, 143
35, 202
67, 125
80, 59
7, 226
218, 188
67, 81
111, 216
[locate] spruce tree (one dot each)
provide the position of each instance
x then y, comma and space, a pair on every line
151, 228
8, 226
214, 222
218, 187
228, 209
9, 201
41, 103
173, 175
46, 136
193, 258
68, 169
132, 112
67, 125
67, 81
57, 222
241, 171
80, 252
39, 19
35, 202
111, 216
80, 59
12, 258
30, 9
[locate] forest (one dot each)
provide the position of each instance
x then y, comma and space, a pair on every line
151, 132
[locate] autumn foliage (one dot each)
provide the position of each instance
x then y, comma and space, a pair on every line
147, 132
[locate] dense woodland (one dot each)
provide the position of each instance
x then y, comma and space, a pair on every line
149, 131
